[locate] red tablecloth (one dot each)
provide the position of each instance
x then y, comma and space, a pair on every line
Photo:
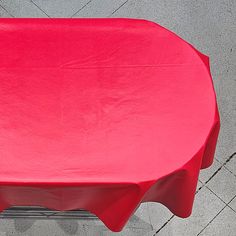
102, 114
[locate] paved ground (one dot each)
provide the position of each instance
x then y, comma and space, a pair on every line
210, 25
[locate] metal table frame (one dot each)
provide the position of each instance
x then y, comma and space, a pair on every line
44, 213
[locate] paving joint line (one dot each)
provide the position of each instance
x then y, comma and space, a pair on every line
149, 217
164, 225
6, 10
211, 220
222, 165
81, 8
230, 202
230, 171
217, 195
40, 8
226, 205
231, 208
228, 159
118, 8
204, 185
197, 189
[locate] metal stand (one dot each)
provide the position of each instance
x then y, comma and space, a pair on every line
44, 213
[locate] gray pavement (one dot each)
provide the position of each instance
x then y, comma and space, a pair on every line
210, 25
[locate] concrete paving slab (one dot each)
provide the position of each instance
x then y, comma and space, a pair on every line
158, 214
205, 174
61, 8
206, 207
232, 204
22, 8
231, 165
141, 218
4, 13
223, 224
98, 8
223, 185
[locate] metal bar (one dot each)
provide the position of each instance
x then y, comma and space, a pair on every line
44, 213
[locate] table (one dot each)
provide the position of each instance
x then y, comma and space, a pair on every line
102, 115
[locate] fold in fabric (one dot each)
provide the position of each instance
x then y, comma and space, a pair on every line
102, 115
